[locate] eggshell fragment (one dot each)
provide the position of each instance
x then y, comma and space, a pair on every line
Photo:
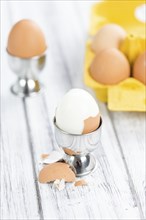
55, 171
26, 40
109, 36
53, 157
70, 152
80, 183
139, 68
59, 184
110, 67
91, 124
44, 156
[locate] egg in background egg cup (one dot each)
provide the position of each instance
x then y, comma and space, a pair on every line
27, 70
83, 162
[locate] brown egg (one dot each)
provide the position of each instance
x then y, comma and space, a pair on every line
139, 68
55, 171
26, 40
109, 36
110, 67
91, 124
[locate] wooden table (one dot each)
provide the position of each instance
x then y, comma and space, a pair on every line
116, 188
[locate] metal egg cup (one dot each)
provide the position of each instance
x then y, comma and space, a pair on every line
27, 85
84, 162
27, 70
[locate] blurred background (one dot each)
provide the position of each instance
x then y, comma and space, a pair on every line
65, 25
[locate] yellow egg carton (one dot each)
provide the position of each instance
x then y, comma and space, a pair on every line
130, 94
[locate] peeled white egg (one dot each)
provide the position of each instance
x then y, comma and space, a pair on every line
78, 112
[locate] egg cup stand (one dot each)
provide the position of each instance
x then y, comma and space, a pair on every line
27, 71
84, 162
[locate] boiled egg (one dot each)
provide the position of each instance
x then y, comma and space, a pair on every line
26, 40
78, 113
139, 68
109, 36
110, 67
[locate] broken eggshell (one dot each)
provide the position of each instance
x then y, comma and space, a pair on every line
52, 157
70, 152
55, 171
81, 182
44, 156
59, 184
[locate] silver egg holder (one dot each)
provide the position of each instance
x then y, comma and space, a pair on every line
27, 71
27, 85
84, 162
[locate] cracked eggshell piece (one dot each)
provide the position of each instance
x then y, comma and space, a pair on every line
53, 157
59, 184
76, 107
91, 124
81, 183
44, 156
55, 171
70, 152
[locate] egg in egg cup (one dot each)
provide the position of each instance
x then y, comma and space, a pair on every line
78, 125
26, 49
78, 149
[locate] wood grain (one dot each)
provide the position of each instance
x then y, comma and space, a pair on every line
130, 131
116, 189
18, 188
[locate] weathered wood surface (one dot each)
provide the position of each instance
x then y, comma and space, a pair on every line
116, 188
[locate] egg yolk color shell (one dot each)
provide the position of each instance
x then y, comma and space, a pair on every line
26, 40
55, 171
109, 36
139, 68
110, 67
91, 124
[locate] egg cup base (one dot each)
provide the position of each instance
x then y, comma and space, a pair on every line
83, 164
26, 87
83, 161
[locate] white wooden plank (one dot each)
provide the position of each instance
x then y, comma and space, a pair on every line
130, 129
130, 132
65, 48
42, 142
38, 127
117, 202
18, 189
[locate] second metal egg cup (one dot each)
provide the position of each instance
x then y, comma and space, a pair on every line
84, 162
27, 71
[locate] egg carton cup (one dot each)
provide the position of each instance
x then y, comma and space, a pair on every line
130, 94
129, 15
83, 162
